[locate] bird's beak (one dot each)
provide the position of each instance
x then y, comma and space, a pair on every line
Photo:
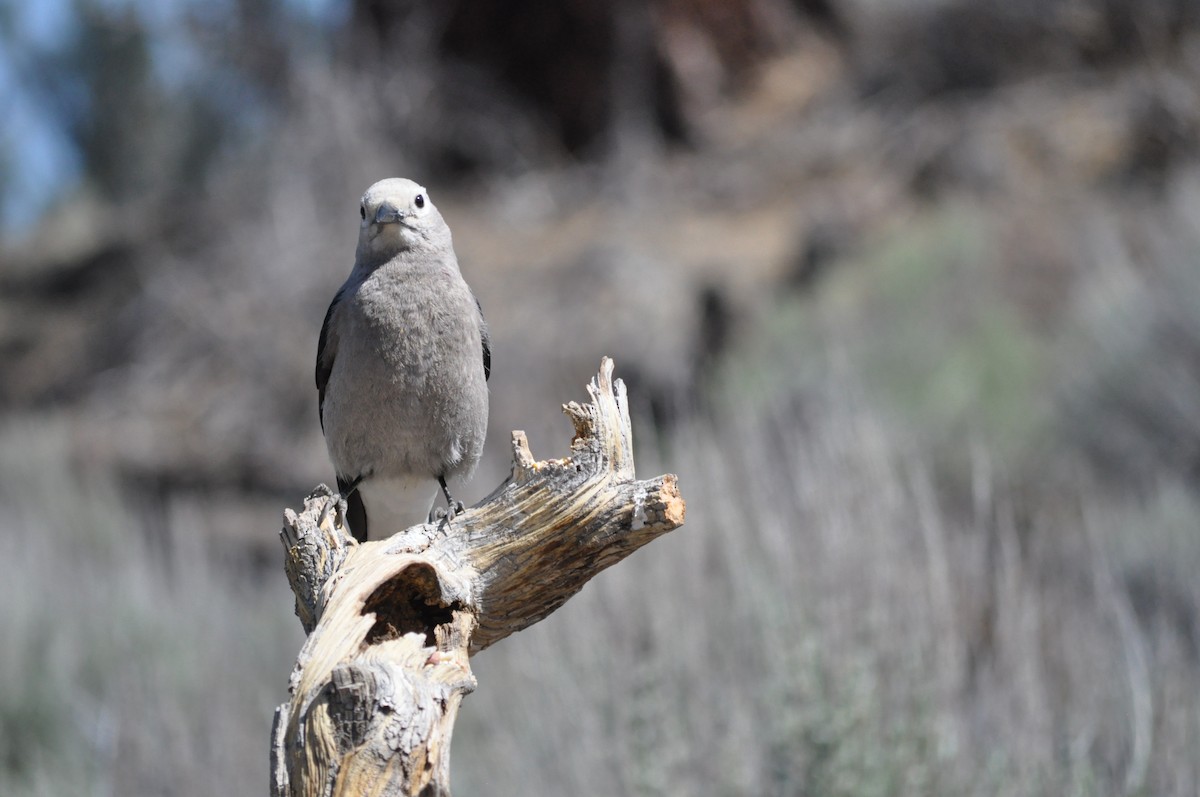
388, 213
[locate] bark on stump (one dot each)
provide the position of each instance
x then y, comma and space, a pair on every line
391, 623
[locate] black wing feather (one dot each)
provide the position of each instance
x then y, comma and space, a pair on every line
325, 356
487, 343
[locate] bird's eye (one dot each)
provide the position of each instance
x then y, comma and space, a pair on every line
362, 211
419, 201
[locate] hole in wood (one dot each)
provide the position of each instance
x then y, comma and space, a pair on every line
409, 602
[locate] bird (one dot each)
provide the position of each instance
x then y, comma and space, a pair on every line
403, 361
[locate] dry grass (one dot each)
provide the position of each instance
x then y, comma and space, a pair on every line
835, 619
128, 666
825, 624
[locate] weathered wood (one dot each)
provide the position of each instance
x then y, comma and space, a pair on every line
391, 623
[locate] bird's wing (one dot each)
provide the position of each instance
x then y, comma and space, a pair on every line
487, 343
326, 351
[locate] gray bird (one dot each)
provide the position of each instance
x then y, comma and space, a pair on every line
402, 366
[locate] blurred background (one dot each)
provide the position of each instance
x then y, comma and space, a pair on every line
907, 292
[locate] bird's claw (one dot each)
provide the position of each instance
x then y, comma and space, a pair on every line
335, 510
449, 512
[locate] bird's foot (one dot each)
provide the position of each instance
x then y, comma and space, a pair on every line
321, 491
453, 508
335, 510
448, 513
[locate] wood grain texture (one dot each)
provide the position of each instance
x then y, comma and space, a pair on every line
392, 623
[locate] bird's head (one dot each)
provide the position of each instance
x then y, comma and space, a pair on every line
398, 215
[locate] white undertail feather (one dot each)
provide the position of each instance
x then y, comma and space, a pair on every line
394, 505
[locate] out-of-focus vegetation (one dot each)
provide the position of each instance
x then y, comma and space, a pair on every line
907, 292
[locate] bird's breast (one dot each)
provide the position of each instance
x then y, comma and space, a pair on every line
407, 391
415, 322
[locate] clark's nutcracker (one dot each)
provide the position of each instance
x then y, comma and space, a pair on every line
402, 366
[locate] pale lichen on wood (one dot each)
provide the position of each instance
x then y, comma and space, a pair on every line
391, 623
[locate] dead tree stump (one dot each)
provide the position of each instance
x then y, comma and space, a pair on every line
391, 623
